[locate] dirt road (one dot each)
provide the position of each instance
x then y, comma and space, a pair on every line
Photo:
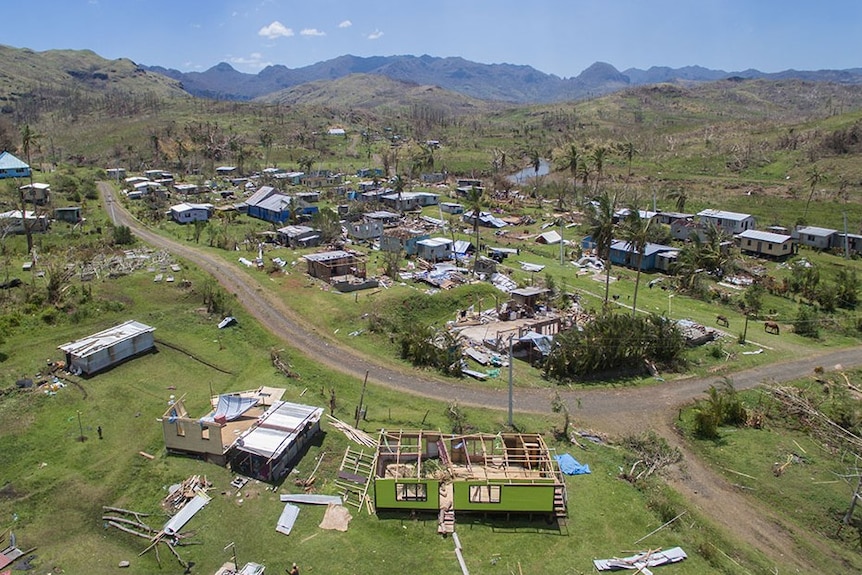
615, 411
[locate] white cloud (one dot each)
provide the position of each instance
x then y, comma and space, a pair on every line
312, 32
345, 24
375, 35
253, 60
275, 30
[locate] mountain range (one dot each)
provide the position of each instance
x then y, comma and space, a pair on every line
516, 84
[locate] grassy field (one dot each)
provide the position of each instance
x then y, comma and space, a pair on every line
806, 477
52, 485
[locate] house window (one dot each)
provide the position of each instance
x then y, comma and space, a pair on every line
749, 243
411, 492
205, 432
484, 494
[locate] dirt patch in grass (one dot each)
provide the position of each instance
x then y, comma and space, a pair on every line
9, 492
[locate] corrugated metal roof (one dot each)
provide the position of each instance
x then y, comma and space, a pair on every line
723, 215
815, 231
10, 162
287, 518
105, 339
764, 236
186, 513
278, 428
328, 256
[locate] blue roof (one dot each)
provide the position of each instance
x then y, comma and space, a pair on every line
649, 248
10, 162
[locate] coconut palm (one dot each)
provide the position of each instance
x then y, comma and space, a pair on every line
475, 201
635, 231
571, 160
598, 156
398, 184
628, 151
29, 140
680, 196
601, 228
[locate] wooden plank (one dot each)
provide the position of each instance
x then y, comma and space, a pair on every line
352, 477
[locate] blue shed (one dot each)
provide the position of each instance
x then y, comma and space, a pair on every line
624, 254
12, 167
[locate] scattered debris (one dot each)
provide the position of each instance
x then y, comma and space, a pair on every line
310, 499
287, 518
181, 493
284, 367
459, 554
642, 560
239, 482
352, 433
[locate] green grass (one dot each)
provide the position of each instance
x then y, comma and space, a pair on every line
54, 485
812, 492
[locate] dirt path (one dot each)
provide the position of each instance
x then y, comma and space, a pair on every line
615, 411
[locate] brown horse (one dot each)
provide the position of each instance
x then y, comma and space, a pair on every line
722, 320
771, 327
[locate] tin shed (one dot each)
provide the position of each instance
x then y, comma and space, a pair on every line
108, 348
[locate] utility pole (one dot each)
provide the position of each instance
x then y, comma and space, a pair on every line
235, 564
361, 399
81, 427
561, 241
511, 388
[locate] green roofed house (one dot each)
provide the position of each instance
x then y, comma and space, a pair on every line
472, 473
12, 167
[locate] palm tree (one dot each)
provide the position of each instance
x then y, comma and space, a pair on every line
398, 184
601, 227
475, 201
628, 151
571, 161
598, 158
636, 231
680, 196
29, 140
814, 178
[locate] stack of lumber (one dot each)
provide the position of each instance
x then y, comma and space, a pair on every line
352, 433
185, 492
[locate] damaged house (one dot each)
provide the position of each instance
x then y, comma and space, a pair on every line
476, 473
108, 348
255, 432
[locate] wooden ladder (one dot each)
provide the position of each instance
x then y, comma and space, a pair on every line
560, 507
446, 521
354, 477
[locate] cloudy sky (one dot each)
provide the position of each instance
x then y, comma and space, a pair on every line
561, 37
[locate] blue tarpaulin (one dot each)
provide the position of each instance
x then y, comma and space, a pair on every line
570, 466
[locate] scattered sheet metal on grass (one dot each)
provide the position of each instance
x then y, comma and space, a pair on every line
287, 518
310, 498
173, 526
642, 561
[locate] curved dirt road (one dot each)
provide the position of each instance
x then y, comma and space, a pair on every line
615, 411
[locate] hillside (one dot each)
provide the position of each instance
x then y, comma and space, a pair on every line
373, 92
500, 82
32, 81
